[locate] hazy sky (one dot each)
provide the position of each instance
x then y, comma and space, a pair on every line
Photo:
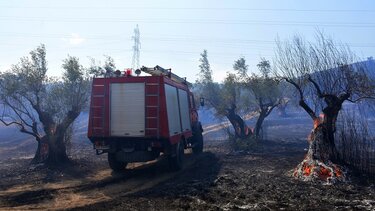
174, 33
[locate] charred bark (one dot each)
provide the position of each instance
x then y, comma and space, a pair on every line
322, 138
321, 148
329, 124
37, 157
318, 164
331, 111
265, 110
41, 153
240, 128
57, 151
52, 147
259, 123
321, 159
51, 151
54, 137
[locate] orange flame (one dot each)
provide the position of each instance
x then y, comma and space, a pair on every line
321, 171
338, 171
316, 123
324, 173
319, 120
307, 169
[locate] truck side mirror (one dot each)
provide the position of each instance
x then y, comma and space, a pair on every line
201, 101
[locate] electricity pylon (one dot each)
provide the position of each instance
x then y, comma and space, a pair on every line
136, 48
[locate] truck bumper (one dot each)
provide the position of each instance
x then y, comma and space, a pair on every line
136, 156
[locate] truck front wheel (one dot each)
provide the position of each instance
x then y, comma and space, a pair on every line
115, 164
197, 138
176, 159
198, 143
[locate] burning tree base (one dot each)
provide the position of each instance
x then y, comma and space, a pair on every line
316, 166
315, 170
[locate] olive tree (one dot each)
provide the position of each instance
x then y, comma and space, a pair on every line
224, 98
41, 106
241, 93
98, 70
265, 92
325, 74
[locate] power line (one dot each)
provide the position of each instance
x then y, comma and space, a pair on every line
189, 21
113, 39
190, 8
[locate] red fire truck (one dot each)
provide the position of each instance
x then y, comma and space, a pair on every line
138, 118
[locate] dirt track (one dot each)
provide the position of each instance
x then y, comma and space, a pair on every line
215, 180
79, 186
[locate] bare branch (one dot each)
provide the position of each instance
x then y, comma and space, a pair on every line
316, 86
360, 98
10, 123
271, 108
299, 89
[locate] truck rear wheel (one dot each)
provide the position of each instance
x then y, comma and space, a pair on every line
176, 159
115, 164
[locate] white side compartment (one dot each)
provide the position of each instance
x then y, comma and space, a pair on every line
184, 110
172, 110
127, 109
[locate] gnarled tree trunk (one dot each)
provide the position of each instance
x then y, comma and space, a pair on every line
259, 123
57, 151
317, 163
41, 153
241, 130
321, 159
51, 150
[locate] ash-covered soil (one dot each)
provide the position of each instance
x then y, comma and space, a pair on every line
218, 179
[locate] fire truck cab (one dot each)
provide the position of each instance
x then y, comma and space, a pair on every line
138, 118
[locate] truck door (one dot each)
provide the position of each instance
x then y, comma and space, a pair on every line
127, 109
173, 112
184, 110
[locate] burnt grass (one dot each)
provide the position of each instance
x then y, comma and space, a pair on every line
217, 179
222, 179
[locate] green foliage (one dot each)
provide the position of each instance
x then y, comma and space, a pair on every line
31, 98
265, 89
9, 85
97, 70
23, 88
207, 88
73, 70
230, 89
241, 67
264, 67
35, 69
240, 93
232, 93
205, 72
109, 65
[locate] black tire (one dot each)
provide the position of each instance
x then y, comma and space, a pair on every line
197, 138
115, 164
176, 159
198, 143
